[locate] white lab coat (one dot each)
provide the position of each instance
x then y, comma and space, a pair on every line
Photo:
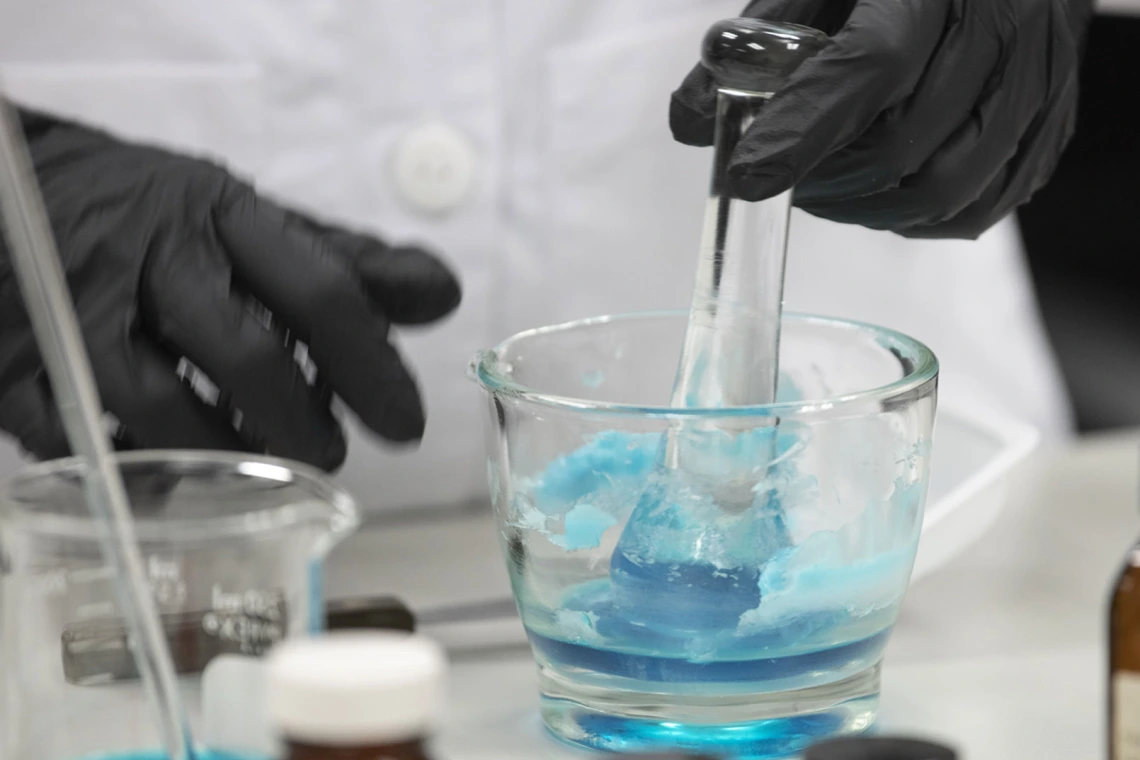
580, 203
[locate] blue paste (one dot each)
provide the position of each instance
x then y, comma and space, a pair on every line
594, 379
609, 457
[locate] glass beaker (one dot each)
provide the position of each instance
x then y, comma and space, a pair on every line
662, 618
233, 546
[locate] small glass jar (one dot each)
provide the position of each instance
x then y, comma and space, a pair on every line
663, 616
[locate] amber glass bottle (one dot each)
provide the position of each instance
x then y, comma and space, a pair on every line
1124, 662
356, 695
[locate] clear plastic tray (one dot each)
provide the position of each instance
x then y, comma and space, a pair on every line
974, 458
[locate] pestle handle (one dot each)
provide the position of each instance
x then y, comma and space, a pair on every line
731, 348
754, 56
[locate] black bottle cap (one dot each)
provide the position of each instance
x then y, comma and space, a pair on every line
369, 612
879, 748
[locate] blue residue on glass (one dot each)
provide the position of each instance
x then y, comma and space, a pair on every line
787, 391
316, 596
593, 378
608, 456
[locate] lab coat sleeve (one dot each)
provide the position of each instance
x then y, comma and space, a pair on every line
1081, 13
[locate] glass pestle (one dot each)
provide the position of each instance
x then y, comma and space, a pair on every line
730, 355
700, 532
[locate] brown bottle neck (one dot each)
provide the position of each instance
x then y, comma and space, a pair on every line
411, 750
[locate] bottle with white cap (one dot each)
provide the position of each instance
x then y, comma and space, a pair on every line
356, 695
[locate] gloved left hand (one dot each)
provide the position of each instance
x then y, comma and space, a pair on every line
931, 118
170, 257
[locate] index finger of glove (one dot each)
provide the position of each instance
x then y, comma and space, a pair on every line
315, 291
873, 63
410, 285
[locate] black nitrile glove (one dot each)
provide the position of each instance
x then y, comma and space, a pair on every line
931, 118
170, 257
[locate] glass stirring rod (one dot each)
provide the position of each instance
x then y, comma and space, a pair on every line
731, 349
41, 278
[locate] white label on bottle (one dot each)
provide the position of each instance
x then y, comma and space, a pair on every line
1126, 716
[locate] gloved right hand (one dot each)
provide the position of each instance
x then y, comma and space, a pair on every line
169, 257
929, 118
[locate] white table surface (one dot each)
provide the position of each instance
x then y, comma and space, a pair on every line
999, 653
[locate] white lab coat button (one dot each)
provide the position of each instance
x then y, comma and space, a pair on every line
434, 165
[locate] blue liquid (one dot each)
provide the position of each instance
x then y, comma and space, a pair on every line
677, 597
757, 740
675, 670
